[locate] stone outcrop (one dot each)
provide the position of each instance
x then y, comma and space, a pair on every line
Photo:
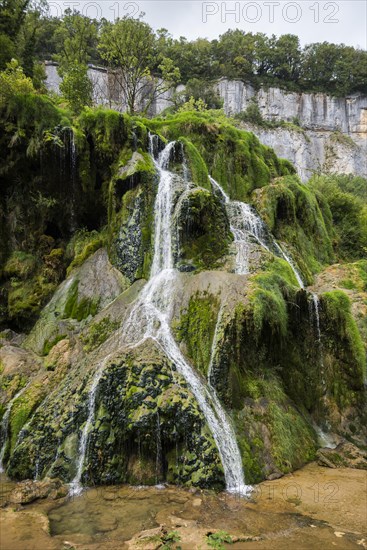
345, 455
29, 491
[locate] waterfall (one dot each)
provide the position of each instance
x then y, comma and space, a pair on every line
150, 318
185, 168
75, 485
5, 426
244, 222
214, 345
315, 313
291, 264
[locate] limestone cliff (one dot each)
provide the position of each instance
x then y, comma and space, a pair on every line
332, 133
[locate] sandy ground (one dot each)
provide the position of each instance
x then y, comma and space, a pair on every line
312, 508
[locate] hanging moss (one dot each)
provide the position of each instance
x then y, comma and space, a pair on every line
344, 343
196, 328
292, 212
203, 230
235, 158
197, 166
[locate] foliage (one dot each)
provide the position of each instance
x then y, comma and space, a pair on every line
77, 87
13, 81
216, 540
193, 105
129, 47
346, 197
75, 37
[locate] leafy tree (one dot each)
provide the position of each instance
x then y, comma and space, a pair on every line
12, 16
75, 38
200, 90
77, 87
13, 81
130, 48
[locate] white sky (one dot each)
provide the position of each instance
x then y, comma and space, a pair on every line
340, 21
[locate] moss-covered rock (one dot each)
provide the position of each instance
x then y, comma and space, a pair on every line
147, 428
203, 231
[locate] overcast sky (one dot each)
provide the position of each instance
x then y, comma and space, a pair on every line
313, 21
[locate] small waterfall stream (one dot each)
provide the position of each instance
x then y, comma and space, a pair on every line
315, 314
5, 426
244, 222
75, 485
214, 345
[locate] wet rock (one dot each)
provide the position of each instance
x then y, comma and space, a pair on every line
29, 491
345, 455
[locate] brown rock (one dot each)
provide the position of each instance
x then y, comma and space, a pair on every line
29, 491
345, 455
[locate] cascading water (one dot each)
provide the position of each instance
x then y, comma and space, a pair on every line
75, 485
152, 311
244, 222
185, 168
150, 318
214, 345
315, 313
291, 264
5, 426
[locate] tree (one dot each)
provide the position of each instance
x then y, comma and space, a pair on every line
12, 16
75, 39
130, 48
13, 81
77, 87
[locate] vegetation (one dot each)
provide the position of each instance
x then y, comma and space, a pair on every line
346, 197
129, 46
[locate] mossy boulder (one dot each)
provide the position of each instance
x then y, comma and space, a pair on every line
146, 428
203, 230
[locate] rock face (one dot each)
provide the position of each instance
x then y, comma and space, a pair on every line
345, 455
334, 136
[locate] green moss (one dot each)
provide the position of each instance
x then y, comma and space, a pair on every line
268, 298
25, 299
98, 333
76, 308
235, 158
197, 166
20, 265
196, 328
49, 344
22, 410
346, 198
203, 230
294, 213
83, 245
338, 313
